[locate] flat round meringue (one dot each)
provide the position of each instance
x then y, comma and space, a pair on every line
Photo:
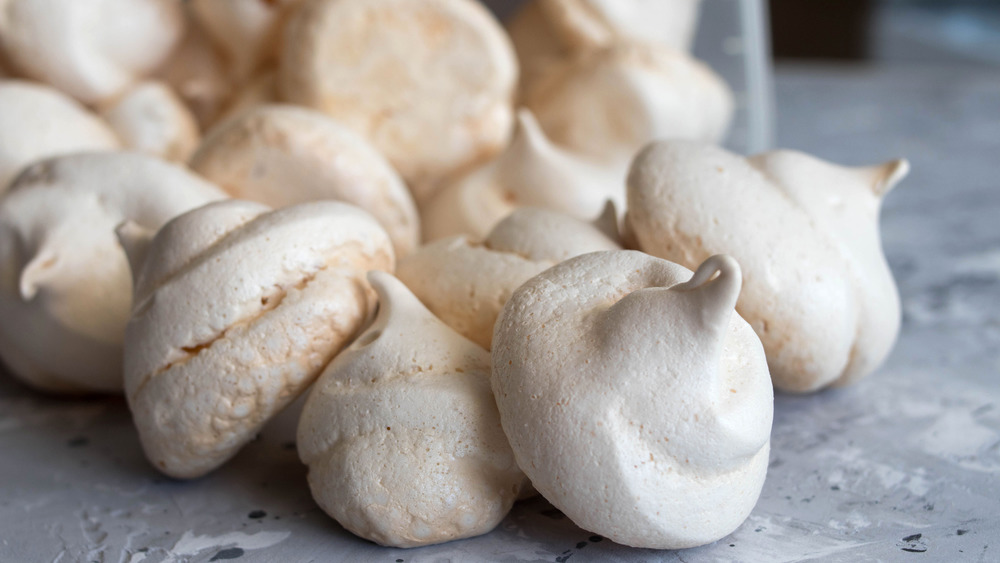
401, 433
151, 118
90, 49
284, 155
608, 103
65, 286
817, 288
237, 310
466, 283
40, 122
530, 172
638, 405
429, 82
547, 31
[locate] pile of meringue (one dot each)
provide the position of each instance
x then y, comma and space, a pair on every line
470, 247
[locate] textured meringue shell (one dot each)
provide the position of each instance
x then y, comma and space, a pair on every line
817, 288
66, 290
90, 49
429, 82
237, 311
608, 103
466, 283
639, 406
151, 118
283, 155
41, 122
530, 172
401, 432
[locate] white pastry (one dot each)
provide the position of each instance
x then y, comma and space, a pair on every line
237, 310
547, 31
401, 433
530, 172
608, 103
151, 118
466, 283
247, 31
90, 49
429, 82
635, 398
65, 287
39, 122
817, 289
284, 155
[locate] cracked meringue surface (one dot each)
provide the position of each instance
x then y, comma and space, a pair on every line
401, 433
65, 284
466, 283
635, 398
237, 310
817, 288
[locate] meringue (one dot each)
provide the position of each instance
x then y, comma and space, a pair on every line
247, 31
429, 82
90, 49
638, 405
530, 172
401, 433
65, 287
466, 283
237, 310
283, 155
817, 288
545, 31
607, 103
151, 118
39, 122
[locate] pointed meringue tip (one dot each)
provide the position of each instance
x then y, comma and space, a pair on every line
886, 176
607, 222
393, 296
720, 275
135, 240
36, 274
528, 130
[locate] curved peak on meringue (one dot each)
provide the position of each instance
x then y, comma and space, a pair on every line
530, 172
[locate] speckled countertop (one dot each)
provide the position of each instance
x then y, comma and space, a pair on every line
903, 466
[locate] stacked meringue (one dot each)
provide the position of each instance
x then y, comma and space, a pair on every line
603, 321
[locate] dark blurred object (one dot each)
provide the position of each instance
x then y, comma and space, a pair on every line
821, 29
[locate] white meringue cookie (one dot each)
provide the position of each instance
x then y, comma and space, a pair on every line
401, 433
284, 155
40, 122
530, 172
466, 284
65, 287
248, 31
151, 118
90, 49
429, 82
545, 31
237, 311
607, 103
638, 405
817, 289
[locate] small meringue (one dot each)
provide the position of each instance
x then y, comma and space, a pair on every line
817, 288
530, 172
65, 287
151, 118
237, 310
284, 155
429, 83
401, 433
635, 398
466, 283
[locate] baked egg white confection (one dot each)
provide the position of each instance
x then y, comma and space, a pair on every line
635, 398
237, 310
817, 288
466, 283
65, 285
401, 433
